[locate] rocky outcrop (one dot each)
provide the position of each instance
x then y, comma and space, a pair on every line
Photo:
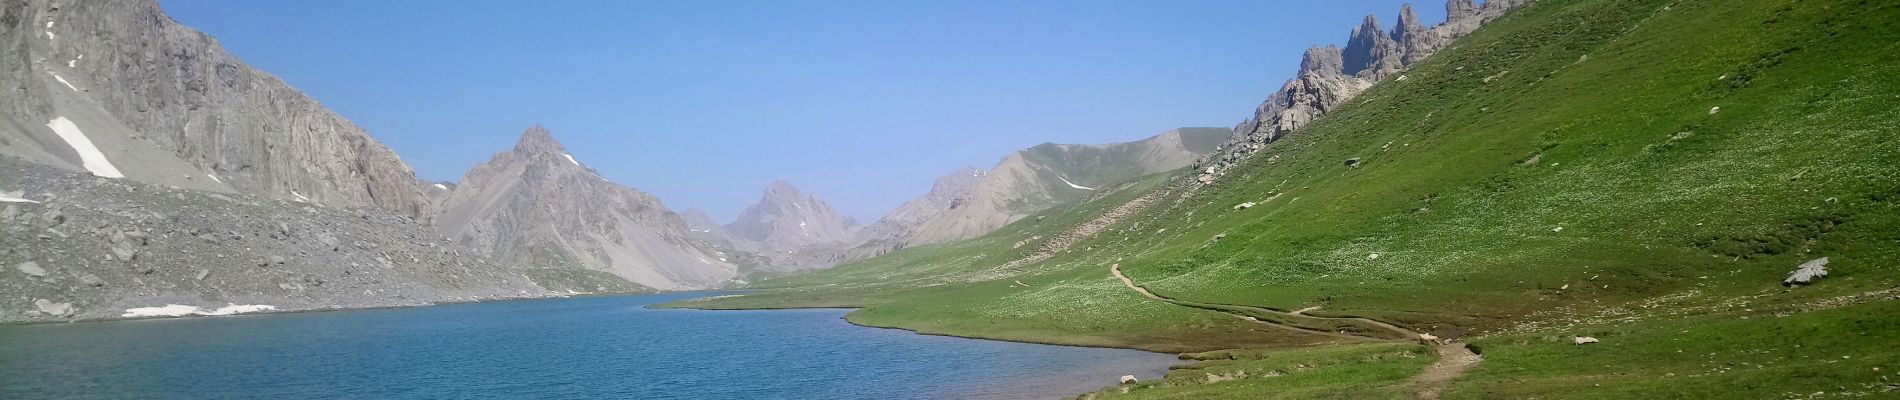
536, 206
89, 248
1328, 75
166, 104
1029, 181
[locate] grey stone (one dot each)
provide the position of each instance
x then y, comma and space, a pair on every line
31, 269
56, 310
1807, 272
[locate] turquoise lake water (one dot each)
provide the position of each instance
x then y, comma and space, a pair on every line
576, 348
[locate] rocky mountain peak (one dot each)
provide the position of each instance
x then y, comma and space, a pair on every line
1329, 76
697, 220
1322, 60
782, 190
1408, 24
536, 139
1368, 47
787, 219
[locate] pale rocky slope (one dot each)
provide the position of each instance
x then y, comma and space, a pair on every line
144, 97
536, 206
1026, 182
74, 246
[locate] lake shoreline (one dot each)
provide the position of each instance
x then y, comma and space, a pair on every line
992, 382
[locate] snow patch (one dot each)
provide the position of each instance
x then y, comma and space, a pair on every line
180, 310
441, 186
1072, 184
215, 178
71, 63
89, 155
300, 197
570, 158
14, 198
62, 81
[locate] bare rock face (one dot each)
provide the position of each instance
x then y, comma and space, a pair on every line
887, 234
122, 244
786, 219
163, 103
537, 207
1329, 76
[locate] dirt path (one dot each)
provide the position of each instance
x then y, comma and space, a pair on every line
1453, 358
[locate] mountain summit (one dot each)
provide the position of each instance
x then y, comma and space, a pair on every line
535, 206
786, 219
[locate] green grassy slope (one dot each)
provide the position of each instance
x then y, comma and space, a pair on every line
1644, 171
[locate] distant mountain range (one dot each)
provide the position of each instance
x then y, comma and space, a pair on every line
118, 90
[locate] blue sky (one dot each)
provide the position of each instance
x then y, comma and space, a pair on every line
704, 103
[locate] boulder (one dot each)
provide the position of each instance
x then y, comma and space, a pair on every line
1427, 338
1243, 206
31, 269
1352, 162
1583, 340
1128, 379
1807, 272
92, 280
53, 309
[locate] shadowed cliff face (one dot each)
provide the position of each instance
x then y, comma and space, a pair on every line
535, 206
163, 103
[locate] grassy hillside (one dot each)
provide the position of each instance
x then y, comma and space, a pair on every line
1642, 171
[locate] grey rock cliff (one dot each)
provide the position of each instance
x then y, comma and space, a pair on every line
535, 206
100, 247
166, 104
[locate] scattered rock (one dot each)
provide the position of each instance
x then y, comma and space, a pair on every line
126, 254
57, 310
202, 273
1807, 272
1583, 340
277, 260
31, 269
52, 218
1373, 256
